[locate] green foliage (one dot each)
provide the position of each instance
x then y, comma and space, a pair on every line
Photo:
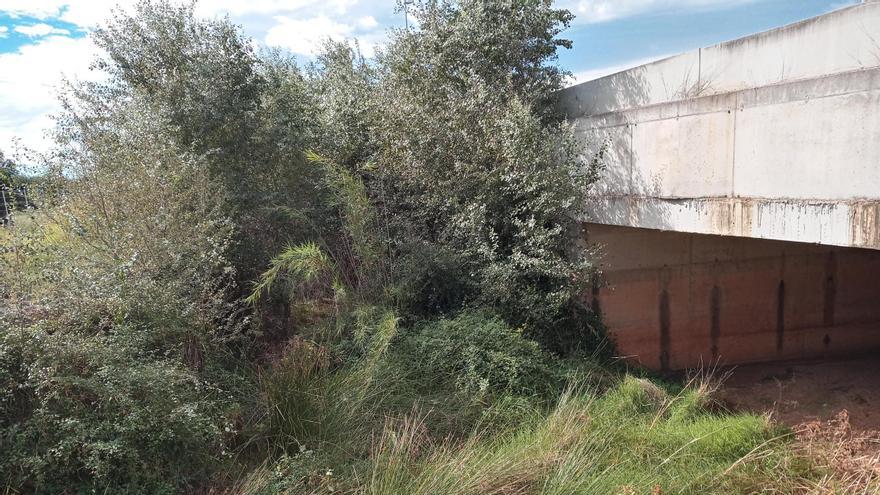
299, 393
114, 305
198, 75
248, 117
634, 438
139, 226
104, 412
361, 246
480, 354
509, 46
342, 85
353, 265
305, 263
479, 179
9, 174
314, 400
119, 302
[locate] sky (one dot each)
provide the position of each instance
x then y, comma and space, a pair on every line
43, 41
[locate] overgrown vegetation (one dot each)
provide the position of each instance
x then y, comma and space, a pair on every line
357, 276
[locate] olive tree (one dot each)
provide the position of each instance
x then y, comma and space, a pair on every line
483, 181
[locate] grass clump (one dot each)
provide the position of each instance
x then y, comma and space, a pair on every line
430, 426
622, 441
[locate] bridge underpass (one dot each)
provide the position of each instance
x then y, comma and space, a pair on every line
738, 210
678, 300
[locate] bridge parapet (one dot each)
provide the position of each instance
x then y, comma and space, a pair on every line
775, 136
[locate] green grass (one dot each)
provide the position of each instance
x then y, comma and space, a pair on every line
385, 424
634, 438
30, 228
631, 439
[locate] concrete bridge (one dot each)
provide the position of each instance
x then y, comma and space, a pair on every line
740, 205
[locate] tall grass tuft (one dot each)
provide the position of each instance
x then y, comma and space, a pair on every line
313, 400
635, 439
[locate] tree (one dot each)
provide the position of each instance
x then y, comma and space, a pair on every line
9, 174
248, 117
484, 184
343, 85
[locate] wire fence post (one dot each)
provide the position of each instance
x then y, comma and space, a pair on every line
5, 206
406, 4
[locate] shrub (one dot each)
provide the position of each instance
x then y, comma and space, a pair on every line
315, 397
477, 353
197, 85
116, 299
104, 413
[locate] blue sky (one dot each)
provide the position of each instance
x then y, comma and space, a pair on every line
41, 40
670, 29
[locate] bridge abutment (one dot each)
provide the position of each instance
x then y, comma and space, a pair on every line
679, 300
739, 206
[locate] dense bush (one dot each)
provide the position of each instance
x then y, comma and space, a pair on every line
9, 173
313, 396
104, 413
478, 354
483, 185
120, 301
247, 116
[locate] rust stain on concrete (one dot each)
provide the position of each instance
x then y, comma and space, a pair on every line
715, 328
830, 291
665, 333
735, 300
745, 223
780, 316
864, 230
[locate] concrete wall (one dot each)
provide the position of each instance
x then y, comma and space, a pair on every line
842, 41
676, 300
773, 136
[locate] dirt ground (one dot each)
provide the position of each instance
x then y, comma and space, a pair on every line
797, 393
833, 407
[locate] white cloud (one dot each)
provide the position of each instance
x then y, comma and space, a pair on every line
3, 31
27, 91
89, 13
342, 6
270, 7
255, 7
251, 7
84, 13
40, 9
42, 29
303, 36
591, 74
592, 11
368, 22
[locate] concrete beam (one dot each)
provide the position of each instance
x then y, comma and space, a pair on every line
833, 223
758, 141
